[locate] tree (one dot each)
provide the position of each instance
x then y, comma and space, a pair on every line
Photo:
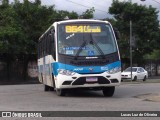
5, 2
155, 55
145, 27
38, 2
62, 14
33, 19
88, 13
21, 25
11, 37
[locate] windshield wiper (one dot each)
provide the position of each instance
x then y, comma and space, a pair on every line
80, 49
99, 49
93, 42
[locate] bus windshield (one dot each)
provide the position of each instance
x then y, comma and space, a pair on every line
94, 39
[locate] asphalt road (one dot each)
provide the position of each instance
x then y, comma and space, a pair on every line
137, 96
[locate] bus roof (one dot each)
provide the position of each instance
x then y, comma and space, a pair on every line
80, 20
74, 21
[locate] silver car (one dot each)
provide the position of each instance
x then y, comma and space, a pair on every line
137, 73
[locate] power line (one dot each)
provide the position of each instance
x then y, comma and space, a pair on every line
152, 0
86, 6
156, 1
95, 4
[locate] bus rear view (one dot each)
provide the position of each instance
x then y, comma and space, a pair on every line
87, 57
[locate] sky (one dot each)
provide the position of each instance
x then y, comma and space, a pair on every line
101, 6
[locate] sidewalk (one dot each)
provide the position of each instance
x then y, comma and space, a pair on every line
154, 77
19, 82
151, 79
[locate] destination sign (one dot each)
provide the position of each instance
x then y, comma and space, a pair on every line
82, 29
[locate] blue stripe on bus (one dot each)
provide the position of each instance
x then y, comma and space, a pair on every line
84, 69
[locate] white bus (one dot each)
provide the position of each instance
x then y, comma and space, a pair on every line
79, 54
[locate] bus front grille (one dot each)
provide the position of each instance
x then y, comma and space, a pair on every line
82, 81
88, 63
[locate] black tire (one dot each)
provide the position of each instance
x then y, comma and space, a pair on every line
54, 85
135, 78
52, 88
144, 79
60, 92
42, 78
46, 88
108, 91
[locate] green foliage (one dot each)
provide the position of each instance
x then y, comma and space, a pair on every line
144, 24
10, 32
88, 13
154, 55
33, 20
38, 2
62, 14
21, 24
5, 2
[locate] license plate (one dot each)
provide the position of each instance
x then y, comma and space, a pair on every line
91, 79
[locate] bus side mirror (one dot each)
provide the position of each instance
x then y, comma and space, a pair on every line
117, 33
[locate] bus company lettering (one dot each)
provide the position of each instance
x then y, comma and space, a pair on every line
104, 68
78, 69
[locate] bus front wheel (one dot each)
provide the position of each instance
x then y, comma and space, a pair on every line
108, 91
60, 92
46, 88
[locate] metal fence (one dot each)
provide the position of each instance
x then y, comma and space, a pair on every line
15, 69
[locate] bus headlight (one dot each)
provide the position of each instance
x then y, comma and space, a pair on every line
114, 70
66, 72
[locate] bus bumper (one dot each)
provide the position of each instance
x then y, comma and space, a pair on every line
87, 80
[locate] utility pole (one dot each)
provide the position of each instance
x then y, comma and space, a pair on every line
131, 47
130, 42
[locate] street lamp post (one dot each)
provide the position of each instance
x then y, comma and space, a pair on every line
130, 43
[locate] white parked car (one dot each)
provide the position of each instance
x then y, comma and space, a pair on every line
137, 73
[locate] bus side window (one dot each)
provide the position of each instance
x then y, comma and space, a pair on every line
52, 45
40, 48
46, 53
45, 49
47, 44
43, 44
